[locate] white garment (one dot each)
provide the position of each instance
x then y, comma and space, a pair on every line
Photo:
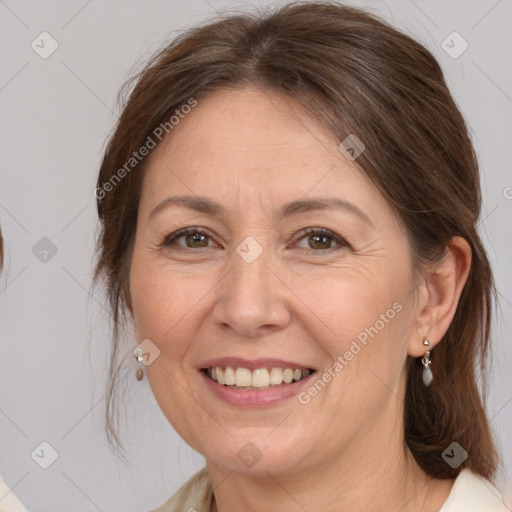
473, 493
8, 501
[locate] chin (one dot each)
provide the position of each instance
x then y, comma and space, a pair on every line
258, 456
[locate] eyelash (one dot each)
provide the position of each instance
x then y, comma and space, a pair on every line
342, 243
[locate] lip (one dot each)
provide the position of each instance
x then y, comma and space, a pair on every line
253, 398
254, 364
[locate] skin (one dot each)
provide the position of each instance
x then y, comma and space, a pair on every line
300, 300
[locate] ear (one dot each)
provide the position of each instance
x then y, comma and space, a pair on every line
438, 296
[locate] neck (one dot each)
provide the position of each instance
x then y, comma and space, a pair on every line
374, 473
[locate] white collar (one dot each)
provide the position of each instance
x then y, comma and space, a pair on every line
472, 492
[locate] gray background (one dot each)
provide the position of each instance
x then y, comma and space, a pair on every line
55, 116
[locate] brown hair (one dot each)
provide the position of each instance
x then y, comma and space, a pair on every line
357, 75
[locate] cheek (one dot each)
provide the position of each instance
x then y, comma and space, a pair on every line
365, 317
163, 308
363, 333
166, 306
157, 297
351, 303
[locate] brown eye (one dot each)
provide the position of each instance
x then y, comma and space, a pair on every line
193, 238
321, 239
196, 240
319, 242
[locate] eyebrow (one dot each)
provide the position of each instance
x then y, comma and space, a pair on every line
297, 207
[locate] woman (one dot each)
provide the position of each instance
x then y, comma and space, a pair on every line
289, 206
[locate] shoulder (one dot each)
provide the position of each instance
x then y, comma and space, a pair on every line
473, 493
195, 495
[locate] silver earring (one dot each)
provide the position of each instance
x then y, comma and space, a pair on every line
139, 374
427, 372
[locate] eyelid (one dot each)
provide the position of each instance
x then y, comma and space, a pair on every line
341, 242
172, 237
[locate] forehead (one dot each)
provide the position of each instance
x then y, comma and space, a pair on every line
254, 147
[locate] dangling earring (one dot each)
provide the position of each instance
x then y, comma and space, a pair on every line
427, 372
139, 374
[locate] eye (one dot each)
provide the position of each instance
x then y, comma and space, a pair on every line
193, 237
318, 239
321, 239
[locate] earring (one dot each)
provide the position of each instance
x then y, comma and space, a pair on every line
139, 374
427, 372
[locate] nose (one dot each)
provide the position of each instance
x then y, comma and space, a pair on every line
252, 299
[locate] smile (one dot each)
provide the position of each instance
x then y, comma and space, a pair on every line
257, 379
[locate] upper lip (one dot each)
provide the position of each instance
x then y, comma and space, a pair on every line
254, 364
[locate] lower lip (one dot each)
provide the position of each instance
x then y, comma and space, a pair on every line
253, 398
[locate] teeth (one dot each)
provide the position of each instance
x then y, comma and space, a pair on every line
276, 376
288, 375
259, 378
229, 376
243, 377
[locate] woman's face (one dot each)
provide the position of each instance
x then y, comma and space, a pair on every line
274, 276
